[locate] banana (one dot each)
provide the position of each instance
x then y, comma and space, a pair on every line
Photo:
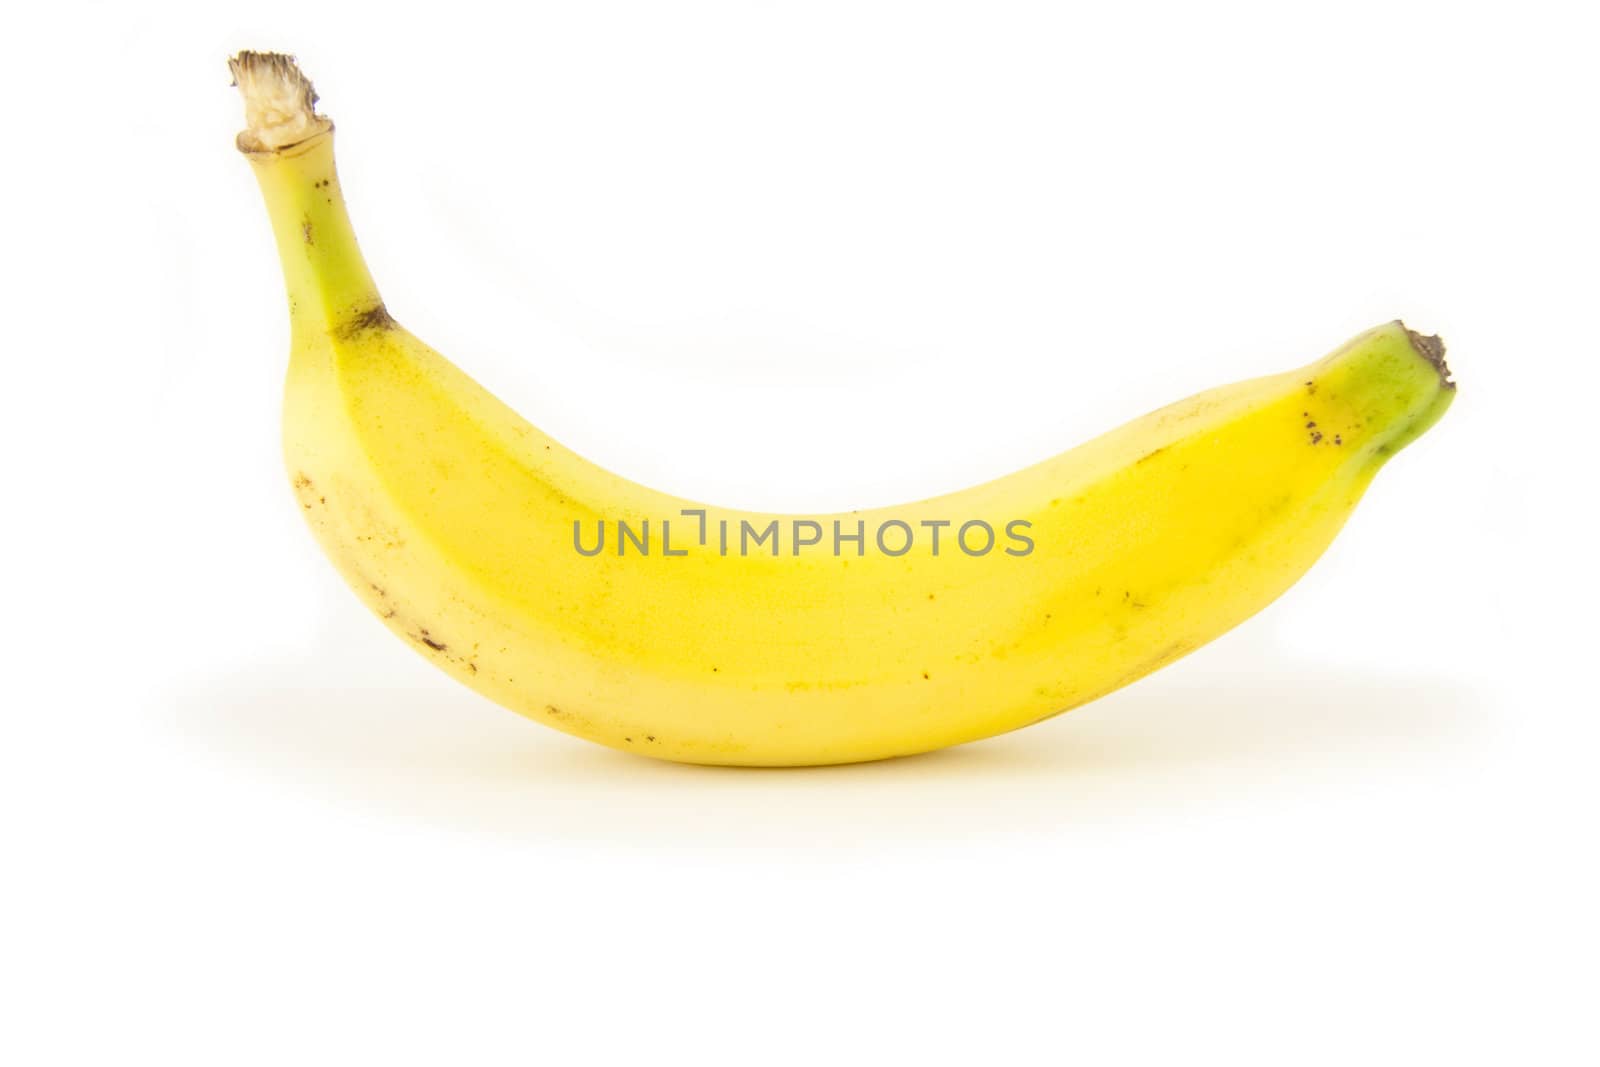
688, 632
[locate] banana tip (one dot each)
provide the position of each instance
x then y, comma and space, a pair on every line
1431, 348
280, 104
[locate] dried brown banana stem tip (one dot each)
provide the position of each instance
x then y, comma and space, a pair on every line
280, 106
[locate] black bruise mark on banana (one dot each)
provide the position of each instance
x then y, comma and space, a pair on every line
423, 636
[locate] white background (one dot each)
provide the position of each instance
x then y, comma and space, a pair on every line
799, 257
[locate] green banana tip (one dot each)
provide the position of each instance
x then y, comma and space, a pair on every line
1431, 348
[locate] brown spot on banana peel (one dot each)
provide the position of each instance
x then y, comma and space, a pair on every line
376, 317
575, 723
1145, 457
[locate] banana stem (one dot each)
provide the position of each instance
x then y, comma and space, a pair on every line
290, 148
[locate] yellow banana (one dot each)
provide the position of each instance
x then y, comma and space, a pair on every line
695, 633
